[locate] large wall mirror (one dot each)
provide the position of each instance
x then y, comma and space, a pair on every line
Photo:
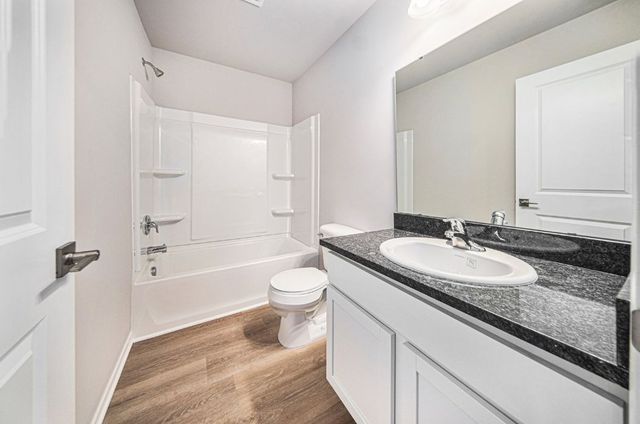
541, 127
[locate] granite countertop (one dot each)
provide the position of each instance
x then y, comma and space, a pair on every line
570, 311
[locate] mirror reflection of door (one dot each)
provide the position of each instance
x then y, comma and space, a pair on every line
574, 139
404, 170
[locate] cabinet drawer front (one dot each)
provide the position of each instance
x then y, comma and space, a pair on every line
427, 394
525, 389
360, 360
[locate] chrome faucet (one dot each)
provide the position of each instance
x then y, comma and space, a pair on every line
498, 218
148, 224
458, 236
151, 250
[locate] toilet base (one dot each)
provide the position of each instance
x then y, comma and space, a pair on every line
296, 330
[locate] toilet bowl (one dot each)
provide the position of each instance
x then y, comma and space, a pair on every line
298, 297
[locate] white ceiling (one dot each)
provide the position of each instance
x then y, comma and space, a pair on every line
282, 39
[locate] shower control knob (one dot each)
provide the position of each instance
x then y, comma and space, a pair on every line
148, 224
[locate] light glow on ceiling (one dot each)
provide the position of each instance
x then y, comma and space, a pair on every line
420, 9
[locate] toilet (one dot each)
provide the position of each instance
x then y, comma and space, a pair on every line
298, 297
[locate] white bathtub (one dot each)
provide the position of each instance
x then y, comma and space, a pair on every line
197, 284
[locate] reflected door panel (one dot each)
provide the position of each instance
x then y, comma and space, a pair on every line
575, 135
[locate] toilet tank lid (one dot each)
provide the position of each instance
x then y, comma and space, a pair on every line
336, 230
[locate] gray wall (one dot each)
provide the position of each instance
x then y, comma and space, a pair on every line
109, 43
463, 121
351, 86
201, 86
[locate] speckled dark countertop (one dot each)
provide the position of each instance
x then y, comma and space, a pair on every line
570, 311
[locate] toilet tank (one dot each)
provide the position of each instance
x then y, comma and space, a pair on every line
335, 230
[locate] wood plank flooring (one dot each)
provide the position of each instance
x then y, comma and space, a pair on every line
232, 370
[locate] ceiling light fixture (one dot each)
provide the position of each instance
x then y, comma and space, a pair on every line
258, 3
420, 9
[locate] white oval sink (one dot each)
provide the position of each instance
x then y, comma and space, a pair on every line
437, 258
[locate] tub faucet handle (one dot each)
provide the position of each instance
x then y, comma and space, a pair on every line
152, 250
148, 224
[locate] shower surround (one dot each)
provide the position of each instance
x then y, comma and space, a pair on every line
235, 201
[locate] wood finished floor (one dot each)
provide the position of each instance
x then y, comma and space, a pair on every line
231, 370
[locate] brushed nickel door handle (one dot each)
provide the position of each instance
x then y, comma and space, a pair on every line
68, 260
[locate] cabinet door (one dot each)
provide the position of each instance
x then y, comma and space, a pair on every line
360, 360
428, 394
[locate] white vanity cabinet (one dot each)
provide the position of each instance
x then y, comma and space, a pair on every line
427, 393
360, 360
396, 358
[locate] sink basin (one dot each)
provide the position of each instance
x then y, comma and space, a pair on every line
437, 258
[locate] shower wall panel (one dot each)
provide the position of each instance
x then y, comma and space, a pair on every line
229, 183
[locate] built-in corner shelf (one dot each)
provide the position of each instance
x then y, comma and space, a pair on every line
163, 173
284, 177
282, 212
168, 219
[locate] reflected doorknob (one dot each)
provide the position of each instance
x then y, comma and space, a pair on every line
526, 203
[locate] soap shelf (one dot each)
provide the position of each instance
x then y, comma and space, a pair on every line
163, 173
282, 212
168, 219
284, 177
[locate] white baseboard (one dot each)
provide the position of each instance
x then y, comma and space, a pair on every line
247, 307
105, 400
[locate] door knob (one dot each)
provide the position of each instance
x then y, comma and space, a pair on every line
68, 260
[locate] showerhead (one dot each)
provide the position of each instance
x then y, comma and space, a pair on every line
157, 71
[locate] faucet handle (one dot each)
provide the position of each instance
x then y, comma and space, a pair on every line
147, 224
457, 225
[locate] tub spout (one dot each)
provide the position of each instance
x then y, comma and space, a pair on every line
155, 249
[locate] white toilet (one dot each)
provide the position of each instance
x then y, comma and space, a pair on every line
298, 296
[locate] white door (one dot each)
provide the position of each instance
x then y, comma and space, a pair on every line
575, 136
36, 210
427, 393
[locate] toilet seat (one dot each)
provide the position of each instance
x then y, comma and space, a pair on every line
299, 289
299, 281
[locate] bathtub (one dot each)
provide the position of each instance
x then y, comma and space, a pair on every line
194, 284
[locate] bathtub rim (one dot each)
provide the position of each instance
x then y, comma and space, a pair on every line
305, 250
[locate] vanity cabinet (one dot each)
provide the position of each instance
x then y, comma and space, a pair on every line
360, 362
394, 357
427, 393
